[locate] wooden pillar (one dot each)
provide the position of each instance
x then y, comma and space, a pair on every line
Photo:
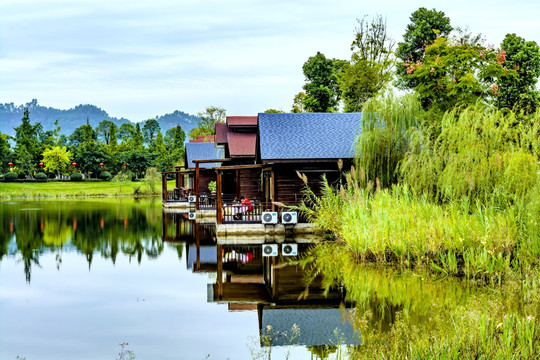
197, 186
273, 189
165, 235
178, 179
238, 184
164, 187
219, 209
198, 241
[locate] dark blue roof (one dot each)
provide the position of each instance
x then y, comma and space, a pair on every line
202, 151
308, 135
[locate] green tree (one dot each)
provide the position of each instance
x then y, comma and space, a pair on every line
274, 111
321, 87
57, 160
369, 71
517, 88
104, 130
5, 153
138, 138
150, 130
89, 155
27, 146
425, 26
83, 133
207, 121
298, 103
126, 132
455, 72
137, 160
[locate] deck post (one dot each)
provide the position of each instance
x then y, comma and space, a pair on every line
165, 224
219, 209
219, 271
164, 186
178, 178
238, 184
197, 186
273, 189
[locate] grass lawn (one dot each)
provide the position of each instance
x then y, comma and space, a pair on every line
69, 189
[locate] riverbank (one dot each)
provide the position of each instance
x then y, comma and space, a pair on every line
62, 189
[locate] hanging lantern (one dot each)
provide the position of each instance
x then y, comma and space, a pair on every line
125, 164
40, 164
101, 164
10, 164
74, 164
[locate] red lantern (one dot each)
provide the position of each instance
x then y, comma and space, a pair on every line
101, 164
125, 164
41, 164
74, 164
10, 164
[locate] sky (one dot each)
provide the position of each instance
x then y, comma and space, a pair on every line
139, 59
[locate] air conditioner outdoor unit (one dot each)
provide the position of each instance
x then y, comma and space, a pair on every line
289, 249
269, 218
192, 216
192, 198
289, 218
270, 249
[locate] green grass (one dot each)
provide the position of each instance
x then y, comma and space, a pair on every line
75, 189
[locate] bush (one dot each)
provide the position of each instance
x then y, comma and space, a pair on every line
105, 175
76, 177
11, 176
41, 176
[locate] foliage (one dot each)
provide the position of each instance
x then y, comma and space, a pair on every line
27, 147
455, 73
5, 152
371, 63
207, 121
212, 186
150, 130
274, 111
105, 175
516, 89
138, 139
321, 87
106, 131
57, 160
89, 155
83, 133
298, 103
137, 160
11, 175
76, 176
126, 132
41, 176
425, 26
152, 178
384, 140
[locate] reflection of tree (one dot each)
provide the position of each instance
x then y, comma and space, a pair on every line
90, 227
322, 351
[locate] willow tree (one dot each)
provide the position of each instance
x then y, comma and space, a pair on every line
384, 140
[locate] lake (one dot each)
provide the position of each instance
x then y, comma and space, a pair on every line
80, 277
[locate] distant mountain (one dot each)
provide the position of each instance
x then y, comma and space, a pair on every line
69, 120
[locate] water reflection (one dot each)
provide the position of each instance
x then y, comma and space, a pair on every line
90, 227
274, 286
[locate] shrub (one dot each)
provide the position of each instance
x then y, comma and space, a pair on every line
11, 176
105, 175
212, 186
76, 176
41, 176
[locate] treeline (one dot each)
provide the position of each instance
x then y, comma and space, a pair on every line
70, 119
104, 150
445, 66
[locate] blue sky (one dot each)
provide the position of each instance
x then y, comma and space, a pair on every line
139, 59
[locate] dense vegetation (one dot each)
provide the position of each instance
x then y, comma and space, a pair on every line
445, 184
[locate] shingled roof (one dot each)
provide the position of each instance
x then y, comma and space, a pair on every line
243, 121
202, 151
308, 135
221, 133
242, 144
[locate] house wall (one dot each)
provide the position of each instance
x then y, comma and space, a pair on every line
250, 184
205, 176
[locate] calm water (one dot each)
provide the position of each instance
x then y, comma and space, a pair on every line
77, 278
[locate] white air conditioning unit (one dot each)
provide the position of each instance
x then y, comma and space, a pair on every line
289, 218
270, 249
289, 249
192, 198
269, 218
192, 216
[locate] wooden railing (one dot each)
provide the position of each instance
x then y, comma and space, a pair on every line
239, 213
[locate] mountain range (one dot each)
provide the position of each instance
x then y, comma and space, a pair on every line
69, 120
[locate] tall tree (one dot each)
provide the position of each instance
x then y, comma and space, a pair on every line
425, 26
369, 71
517, 88
138, 138
27, 147
298, 102
5, 152
321, 87
104, 130
126, 132
150, 129
207, 121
